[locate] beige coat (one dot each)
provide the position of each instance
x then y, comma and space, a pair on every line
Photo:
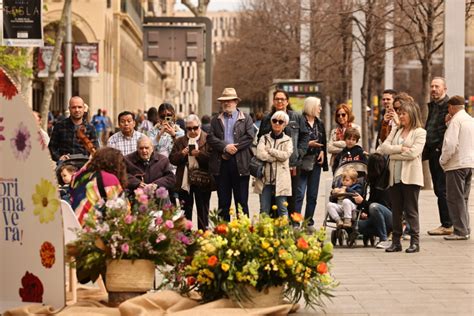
276, 152
412, 170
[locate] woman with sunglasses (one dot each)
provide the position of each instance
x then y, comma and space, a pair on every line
165, 131
344, 119
275, 148
190, 152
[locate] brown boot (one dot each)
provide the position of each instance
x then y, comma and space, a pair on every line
347, 223
339, 223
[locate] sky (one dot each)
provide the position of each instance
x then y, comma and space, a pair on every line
214, 5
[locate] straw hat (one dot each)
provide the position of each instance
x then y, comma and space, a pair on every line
228, 94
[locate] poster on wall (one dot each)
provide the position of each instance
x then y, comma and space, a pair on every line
45, 55
85, 61
22, 23
31, 227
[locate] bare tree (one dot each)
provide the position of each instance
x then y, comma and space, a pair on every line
53, 67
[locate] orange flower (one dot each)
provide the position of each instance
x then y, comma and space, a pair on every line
297, 217
47, 254
222, 229
302, 243
190, 281
322, 268
212, 261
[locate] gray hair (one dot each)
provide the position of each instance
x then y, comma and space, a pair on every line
193, 117
143, 139
281, 115
310, 105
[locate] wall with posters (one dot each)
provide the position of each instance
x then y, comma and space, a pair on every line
31, 228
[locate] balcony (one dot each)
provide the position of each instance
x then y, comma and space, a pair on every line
134, 9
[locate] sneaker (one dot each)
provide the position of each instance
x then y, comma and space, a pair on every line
441, 231
384, 244
339, 223
457, 237
347, 223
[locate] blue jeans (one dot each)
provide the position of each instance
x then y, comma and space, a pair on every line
308, 183
379, 222
266, 201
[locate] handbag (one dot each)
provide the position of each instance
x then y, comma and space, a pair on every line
307, 163
256, 167
201, 179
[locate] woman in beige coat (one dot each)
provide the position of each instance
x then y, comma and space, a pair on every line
404, 145
275, 149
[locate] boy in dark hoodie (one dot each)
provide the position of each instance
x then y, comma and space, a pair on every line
351, 152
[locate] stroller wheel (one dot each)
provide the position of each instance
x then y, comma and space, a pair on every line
342, 236
368, 239
334, 237
351, 240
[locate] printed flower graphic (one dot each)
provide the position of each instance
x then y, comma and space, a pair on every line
42, 141
7, 88
1, 129
21, 143
32, 290
47, 254
45, 201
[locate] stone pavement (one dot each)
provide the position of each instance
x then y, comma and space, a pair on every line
439, 280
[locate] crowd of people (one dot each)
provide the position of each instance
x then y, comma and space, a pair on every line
192, 156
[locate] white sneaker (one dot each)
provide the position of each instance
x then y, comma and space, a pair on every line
384, 244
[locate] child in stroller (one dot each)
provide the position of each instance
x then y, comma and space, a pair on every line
344, 194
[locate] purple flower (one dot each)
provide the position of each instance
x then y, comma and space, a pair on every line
128, 219
161, 193
142, 208
158, 221
169, 224
125, 248
160, 238
21, 143
184, 239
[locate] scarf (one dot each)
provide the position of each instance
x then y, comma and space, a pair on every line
191, 165
340, 131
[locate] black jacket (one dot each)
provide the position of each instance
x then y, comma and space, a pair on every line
347, 155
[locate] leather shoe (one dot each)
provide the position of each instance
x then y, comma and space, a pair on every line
413, 248
394, 248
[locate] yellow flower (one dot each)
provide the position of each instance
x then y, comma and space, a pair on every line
270, 249
231, 211
285, 204
274, 207
225, 267
45, 201
289, 262
265, 244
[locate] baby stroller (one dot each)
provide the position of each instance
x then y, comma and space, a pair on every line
346, 235
77, 160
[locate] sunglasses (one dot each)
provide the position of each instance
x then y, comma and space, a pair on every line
341, 115
279, 99
279, 122
192, 128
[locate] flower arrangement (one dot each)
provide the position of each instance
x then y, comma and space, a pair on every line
262, 253
146, 228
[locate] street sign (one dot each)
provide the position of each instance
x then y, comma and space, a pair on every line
173, 43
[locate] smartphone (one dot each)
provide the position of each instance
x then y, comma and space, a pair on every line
191, 147
168, 118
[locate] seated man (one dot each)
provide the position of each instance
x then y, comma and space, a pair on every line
145, 167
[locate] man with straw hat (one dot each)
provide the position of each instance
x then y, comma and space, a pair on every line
230, 138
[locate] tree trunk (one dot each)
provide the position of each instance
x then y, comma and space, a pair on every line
50, 81
425, 87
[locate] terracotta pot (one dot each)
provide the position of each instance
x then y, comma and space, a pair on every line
268, 297
130, 275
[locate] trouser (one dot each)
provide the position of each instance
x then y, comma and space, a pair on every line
230, 181
439, 185
308, 182
335, 210
294, 188
379, 222
266, 201
202, 199
458, 189
405, 197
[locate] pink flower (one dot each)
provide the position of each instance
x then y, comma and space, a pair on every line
158, 221
128, 219
184, 239
160, 237
161, 193
143, 199
138, 192
169, 224
188, 225
125, 248
142, 208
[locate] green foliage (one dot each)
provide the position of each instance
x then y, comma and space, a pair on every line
15, 61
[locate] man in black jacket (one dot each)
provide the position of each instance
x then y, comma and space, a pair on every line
298, 132
435, 129
230, 138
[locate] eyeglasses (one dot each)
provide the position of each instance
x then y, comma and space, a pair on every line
279, 122
279, 99
341, 115
192, 128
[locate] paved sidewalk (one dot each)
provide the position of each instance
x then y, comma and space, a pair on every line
439, 280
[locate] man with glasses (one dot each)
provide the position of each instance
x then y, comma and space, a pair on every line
126, 139
435, 129
298, 132
230, 138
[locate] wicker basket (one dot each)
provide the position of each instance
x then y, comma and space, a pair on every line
130, 275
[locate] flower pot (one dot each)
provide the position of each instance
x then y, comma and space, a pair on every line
125, 279
268, 297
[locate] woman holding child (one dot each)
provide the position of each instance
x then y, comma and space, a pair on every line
275, 149
404, 145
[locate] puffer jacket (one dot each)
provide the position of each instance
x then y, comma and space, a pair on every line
276, 154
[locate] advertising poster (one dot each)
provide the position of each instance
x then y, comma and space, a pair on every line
45, 55
22, 23
31, 228
85, 61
